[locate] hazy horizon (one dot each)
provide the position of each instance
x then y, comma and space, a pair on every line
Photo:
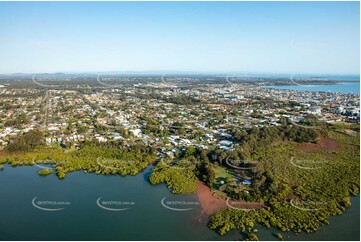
174, 72
209, 37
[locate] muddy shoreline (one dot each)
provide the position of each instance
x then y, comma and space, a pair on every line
210, 203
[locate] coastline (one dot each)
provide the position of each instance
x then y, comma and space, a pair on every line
210, 203
344, 87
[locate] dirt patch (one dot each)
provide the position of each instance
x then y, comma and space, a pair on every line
209, 202
323, 144
350, 132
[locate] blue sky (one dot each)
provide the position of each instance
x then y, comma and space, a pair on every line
263, 37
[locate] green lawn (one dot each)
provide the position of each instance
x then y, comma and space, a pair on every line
222, 172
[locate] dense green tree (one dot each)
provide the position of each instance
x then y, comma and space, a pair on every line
26, 142
45, 172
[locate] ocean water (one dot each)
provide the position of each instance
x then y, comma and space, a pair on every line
324, 77
342, 87
83, 219
146, 219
